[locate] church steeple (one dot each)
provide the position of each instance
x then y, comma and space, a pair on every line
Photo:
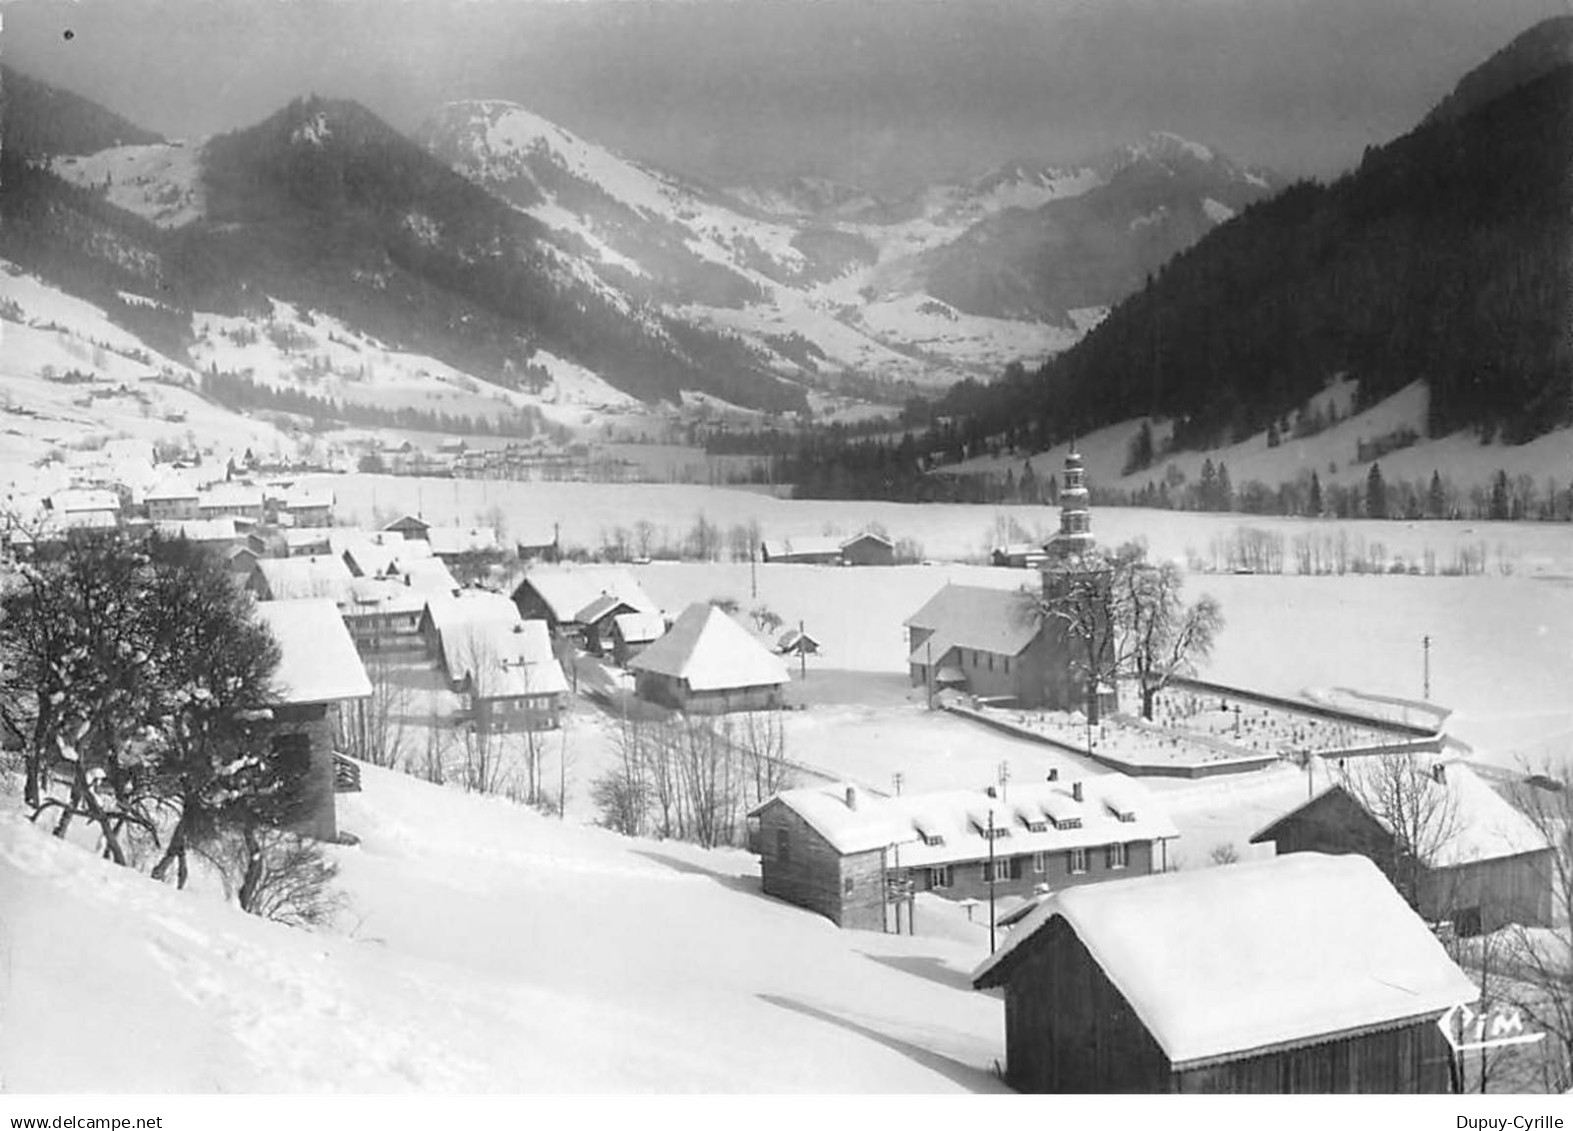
1075, 534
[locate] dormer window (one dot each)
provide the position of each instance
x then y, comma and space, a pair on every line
992, 834
933, 840
1037, 826
1068, 823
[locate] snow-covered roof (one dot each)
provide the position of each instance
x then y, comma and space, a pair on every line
509, 661
169, 489
461, 539
945, 826
318, 662
1470, 821
1224, 961
711, 651
867, 535
972, 616
230, 495
303, 498
378, 596
297, 536
803, 544
408, 521
453, 615
600, 607
427, 575
639, 628
296, 578
568, 590
83, 500
198, 529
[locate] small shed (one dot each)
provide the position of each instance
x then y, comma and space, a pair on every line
803, 550
1302, 973
409, 527
796, 642
632, 633
708, 664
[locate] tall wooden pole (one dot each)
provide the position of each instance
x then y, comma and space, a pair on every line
991, 879
1425, 648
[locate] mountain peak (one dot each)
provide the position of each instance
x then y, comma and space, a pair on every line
1534, 53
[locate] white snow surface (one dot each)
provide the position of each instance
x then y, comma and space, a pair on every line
318, 662
1221, 961
161, 183
486, 949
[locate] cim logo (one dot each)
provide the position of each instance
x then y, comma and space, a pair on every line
1468, 1031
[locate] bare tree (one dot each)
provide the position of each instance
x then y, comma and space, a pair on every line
373, 729
1416, 816
760, 739
622, 794
1080, 602
1162, 637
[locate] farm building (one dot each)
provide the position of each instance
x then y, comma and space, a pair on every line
632, 633
453, 543
408, 527
837, 849
285, 579
707, 663
539, 545
511, 677
564, 596
318, 670
1482, 862
597, 618
804, 550
868, 548
1303, 973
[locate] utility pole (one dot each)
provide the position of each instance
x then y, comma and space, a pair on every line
895, 780
928, 667
802, 653
753, 572
1425, 649
991, 879
1004, 780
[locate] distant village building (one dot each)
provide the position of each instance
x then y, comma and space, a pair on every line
838, 849
796, 642
802, 550
306, 541
597, 619
409, 527
318, 670
366, 554
1302, 973
446, 620
217, 534
1019, 555
707, 663
1488, 864
868, 549
457, 543
306, 506
384, 615
172, 500
539, 545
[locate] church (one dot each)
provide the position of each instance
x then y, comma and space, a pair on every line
1002, 645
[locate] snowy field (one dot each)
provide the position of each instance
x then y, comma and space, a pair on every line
486, 949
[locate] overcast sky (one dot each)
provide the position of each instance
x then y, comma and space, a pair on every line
881, 93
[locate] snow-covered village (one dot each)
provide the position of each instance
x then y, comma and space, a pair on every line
482, 614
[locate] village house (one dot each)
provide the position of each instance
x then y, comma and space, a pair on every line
306, 506
510, 675
796, 642
172, 500
318, 671
564, 596
633, 632
367, 554
707, 663
597, 619
1484, 863
384, 615
802, 550
539, 544
217, 534
1019, 555
306, 541
284, 579
84, 509
462, 543
445, 625
1303, 973
838, 850
868, 549
232, 500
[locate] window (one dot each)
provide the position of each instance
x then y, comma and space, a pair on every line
940, 877
1007, 665
1078, 861
846, 886
991, 661
1037, 863
1000, 871
933, 840
1037, 826
993, 834
1114, 856
783, 846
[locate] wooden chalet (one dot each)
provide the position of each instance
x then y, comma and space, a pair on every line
445, 625
511, 677
597, 619
633, 632
564, 596
804, 550
1303, 973
231, 500
838, 850
318, 671
707, 663
462, 543
306, 506
868, 549
384, 615
306, 541
173, 500
84, 509
1485, 865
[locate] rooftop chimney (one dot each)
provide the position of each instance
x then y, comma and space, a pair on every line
1076, 790
1054, 775
991, 792
852, 797
1439, 772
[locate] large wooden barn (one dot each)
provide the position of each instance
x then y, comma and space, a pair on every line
1483, 863
1302, 973
707, 663
838, 850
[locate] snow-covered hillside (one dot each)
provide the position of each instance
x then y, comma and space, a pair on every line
486, 949
162, 183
